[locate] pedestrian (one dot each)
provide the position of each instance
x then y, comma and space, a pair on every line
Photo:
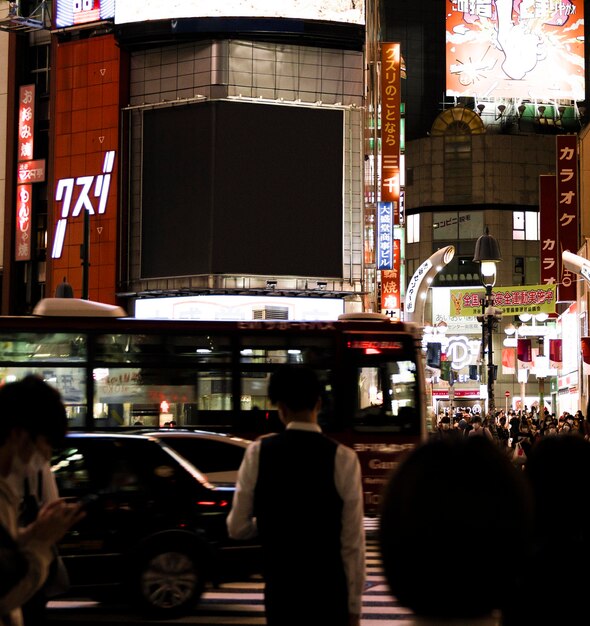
478, 429
37, 487
301, 493
445, 428
27, 429
557, 468
465, 424
456, 486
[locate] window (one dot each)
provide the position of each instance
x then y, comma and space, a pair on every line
454, 225
525, 226
413, 228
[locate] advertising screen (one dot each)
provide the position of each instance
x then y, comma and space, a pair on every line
243, 189
348, 11
76, 12
515, 49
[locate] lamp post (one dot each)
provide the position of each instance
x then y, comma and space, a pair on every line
487, 254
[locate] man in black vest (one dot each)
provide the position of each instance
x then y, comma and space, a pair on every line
301, 493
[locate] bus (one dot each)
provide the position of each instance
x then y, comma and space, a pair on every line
119, 372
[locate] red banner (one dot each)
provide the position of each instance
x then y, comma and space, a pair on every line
24, 204
586, 350
555, 356
567, 211
549, 247
26, 122
22, 244
525, 353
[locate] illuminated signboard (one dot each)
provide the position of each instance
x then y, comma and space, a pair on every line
385, 236
567, 209
86, 186
76, 12
24, 203
346, 11
515, 49
512, 300
390, 126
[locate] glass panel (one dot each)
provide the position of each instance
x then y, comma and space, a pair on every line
69, 381
155, 397
152, 348
387, 397
259, 415
532, 226
301, 349
42, 347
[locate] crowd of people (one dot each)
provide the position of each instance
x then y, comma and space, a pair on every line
515, 428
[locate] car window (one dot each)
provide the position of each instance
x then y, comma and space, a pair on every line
208, 455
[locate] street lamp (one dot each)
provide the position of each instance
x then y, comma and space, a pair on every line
487, 254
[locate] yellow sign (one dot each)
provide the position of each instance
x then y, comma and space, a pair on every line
511, 300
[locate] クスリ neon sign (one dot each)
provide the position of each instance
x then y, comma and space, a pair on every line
97, 185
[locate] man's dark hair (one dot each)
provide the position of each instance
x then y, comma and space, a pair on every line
35, 406
296, 386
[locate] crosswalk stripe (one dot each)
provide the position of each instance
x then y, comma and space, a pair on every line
242, 603
228, 602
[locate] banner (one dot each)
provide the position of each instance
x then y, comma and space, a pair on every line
390, 125
433, 354
555, 357
531, 299
567, 210
548, 220
508, 361
525, 354
586, 354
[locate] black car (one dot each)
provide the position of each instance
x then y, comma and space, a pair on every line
155, 528
218, 455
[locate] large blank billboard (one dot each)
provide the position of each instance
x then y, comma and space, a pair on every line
349, 11
515, 49
242, 189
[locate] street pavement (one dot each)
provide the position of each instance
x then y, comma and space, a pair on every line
239, 604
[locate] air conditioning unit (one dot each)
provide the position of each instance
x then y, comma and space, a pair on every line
271, 313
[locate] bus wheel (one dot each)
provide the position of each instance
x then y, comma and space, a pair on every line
170, 582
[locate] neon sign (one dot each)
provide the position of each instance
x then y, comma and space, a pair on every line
65, 192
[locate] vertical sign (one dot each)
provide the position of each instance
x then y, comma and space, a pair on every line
390, 284
390, 125
567, 210
26, 131
384, 236
549, 247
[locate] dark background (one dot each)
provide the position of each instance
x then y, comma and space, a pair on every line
242, 188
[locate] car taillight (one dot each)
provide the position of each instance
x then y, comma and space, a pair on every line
220, 503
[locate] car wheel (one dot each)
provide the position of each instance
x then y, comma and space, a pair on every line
170, 581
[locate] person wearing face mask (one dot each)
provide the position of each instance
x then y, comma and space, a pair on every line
32, 421
445, 428
479, 430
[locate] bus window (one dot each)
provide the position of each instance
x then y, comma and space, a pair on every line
153, 396
156, 347
387, 397
41, 347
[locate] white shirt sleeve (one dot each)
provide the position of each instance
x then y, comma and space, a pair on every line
241, 523
349, 485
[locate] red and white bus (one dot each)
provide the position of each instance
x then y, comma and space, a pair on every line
117, 372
